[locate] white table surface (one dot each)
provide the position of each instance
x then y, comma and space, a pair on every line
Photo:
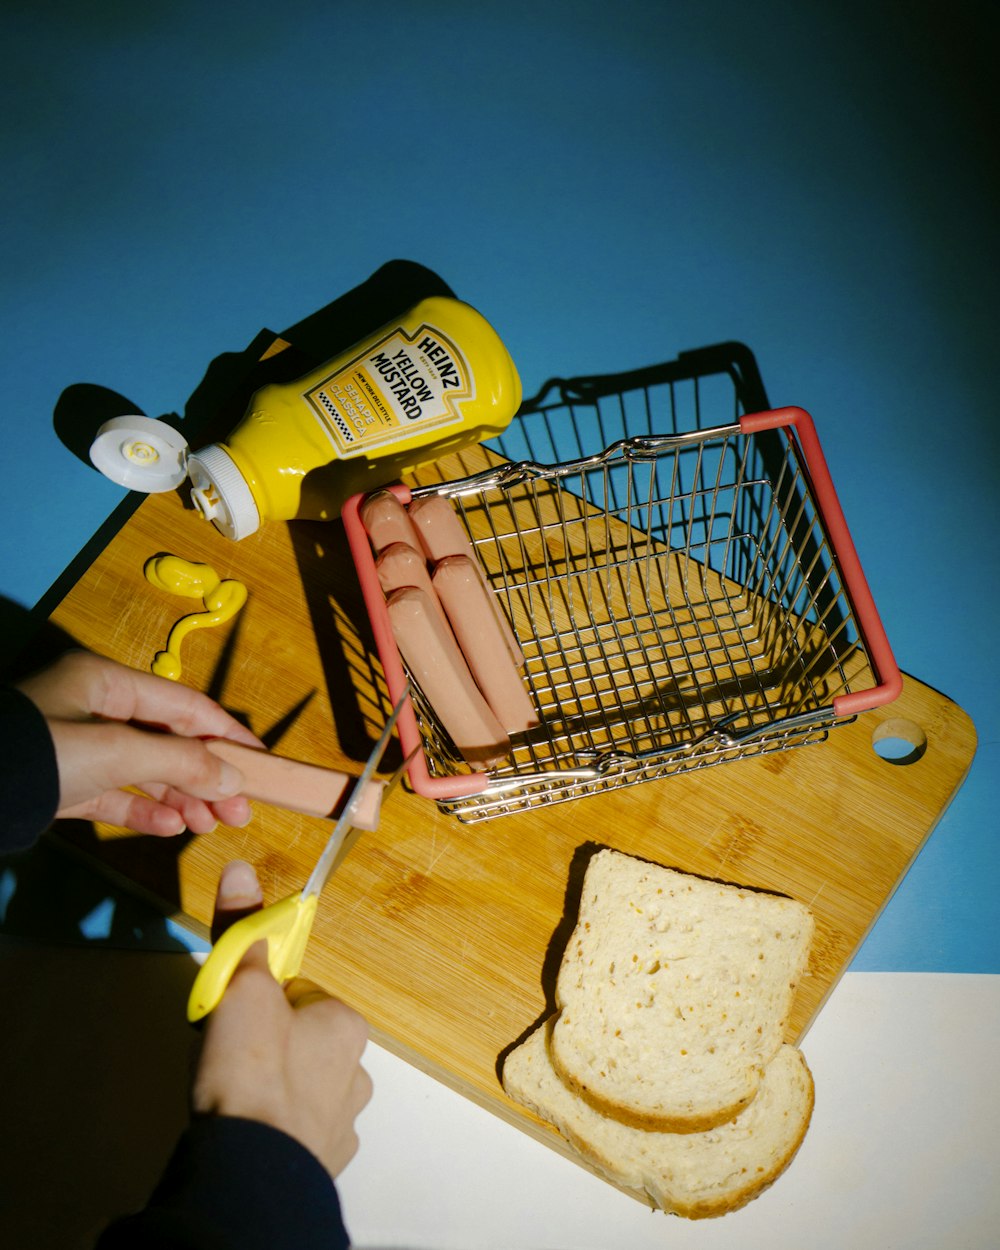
900, 1155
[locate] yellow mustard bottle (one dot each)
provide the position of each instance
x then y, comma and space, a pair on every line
428, 383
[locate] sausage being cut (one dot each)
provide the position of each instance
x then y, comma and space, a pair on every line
295, 786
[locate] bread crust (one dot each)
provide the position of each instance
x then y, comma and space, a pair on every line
673, 993
704, 1208
652, 1166
645, 1120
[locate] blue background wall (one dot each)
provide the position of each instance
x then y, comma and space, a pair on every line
609, 184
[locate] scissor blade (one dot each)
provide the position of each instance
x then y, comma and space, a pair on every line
324, 865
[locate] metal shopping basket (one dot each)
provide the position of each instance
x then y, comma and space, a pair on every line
685, 592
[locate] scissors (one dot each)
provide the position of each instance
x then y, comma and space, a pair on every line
284, 925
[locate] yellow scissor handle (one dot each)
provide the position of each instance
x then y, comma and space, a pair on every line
284, 925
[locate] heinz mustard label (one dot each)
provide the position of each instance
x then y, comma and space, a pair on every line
426, 384
403, 383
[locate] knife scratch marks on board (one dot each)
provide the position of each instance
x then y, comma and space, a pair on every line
435, 855
739, 843
353, 906
708, 832
812, 901
120, 636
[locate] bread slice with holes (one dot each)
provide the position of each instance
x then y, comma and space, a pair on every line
695, 1175
674, 993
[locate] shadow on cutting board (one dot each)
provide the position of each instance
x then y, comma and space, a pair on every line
561, 935
359, 702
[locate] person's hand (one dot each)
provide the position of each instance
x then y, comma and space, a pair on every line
115, 727
289, 1058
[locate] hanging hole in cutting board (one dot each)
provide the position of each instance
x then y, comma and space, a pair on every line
899, 741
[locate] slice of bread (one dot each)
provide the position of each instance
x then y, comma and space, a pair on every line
695, 1175
673, 993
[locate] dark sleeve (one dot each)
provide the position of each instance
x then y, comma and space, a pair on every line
29, 777
236, 1184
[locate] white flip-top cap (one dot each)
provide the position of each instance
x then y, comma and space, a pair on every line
220, 492
140, 453
151, 456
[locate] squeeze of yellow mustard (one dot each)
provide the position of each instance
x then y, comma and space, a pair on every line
222, 600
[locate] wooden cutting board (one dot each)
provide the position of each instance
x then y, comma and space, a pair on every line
448, 936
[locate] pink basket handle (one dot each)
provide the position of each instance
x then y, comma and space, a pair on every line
443, 787
890, 681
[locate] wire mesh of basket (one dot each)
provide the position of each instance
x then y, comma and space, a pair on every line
685, 594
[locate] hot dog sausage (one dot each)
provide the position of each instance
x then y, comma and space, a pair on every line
435, 662
386, 521
400, 565
468, 605
441, 534
295, 786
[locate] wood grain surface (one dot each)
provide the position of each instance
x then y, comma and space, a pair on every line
448, 936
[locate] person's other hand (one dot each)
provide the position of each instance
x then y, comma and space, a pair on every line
287, 1057
115, 727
